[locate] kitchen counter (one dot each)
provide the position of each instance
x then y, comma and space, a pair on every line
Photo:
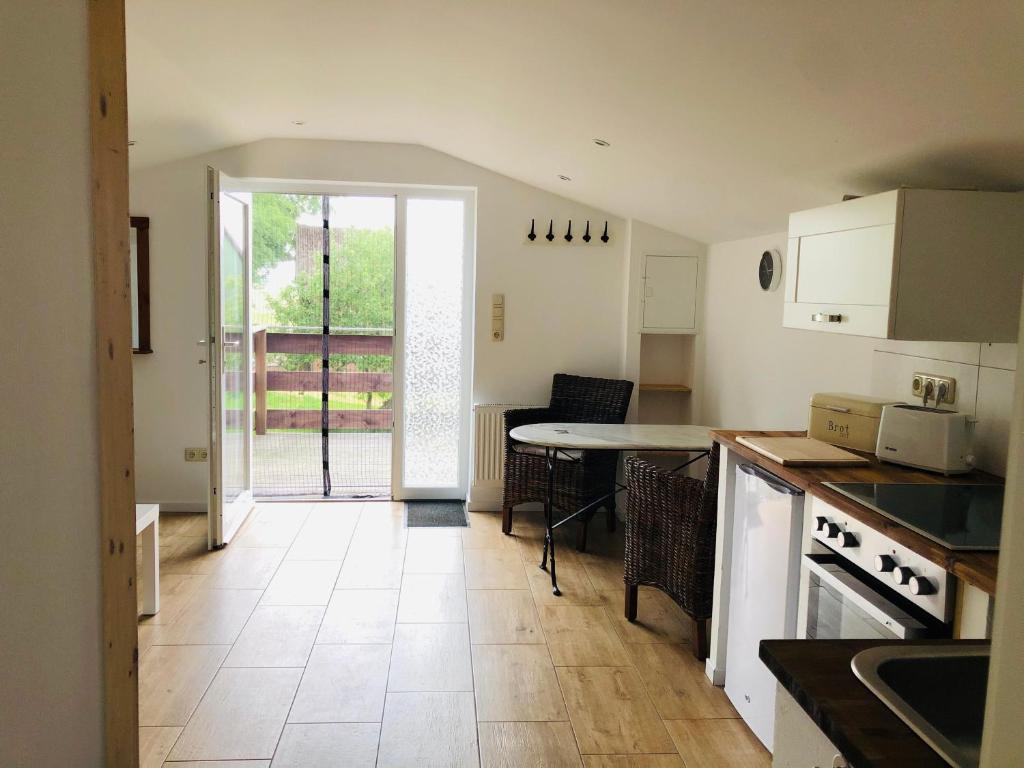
818, 676
975, 568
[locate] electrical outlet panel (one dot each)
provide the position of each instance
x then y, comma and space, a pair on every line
931, 384
196, 454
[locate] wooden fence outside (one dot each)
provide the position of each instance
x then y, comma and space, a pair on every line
267, 342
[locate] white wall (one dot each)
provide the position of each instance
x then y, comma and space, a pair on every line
755, 374
51, 688
564, 304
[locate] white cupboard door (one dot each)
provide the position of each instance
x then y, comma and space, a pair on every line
670, 294
853, 267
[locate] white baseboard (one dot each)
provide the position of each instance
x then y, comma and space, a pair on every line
485, 498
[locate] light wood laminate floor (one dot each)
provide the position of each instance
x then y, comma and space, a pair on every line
328, 634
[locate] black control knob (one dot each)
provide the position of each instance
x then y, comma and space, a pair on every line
820, 523
919, 585
847, 539
902, 574
832, 530
884, 563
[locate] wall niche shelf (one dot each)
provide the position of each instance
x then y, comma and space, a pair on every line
650, 387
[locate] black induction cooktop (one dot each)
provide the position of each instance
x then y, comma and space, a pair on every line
960, 517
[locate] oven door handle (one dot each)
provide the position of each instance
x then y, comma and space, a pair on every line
865, 598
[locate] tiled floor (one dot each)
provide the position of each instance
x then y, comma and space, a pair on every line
329, 635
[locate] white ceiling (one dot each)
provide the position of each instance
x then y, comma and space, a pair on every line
722, 116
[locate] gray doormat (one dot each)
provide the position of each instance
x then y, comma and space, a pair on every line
436, 514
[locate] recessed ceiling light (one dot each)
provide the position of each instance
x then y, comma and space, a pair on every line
298, 122
563, 177
602, 143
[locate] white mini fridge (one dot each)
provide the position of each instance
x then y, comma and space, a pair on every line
763, 588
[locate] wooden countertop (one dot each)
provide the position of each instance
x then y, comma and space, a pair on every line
975, 568
818, 676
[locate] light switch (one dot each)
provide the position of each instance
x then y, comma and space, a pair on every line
498, 317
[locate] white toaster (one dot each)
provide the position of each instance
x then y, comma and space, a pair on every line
926, 438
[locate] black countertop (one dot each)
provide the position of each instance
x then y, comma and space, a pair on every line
818, 676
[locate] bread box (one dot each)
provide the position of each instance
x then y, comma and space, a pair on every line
847, 420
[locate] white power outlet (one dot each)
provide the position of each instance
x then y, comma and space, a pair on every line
196, 454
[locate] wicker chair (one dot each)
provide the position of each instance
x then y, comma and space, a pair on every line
590, 475
670, 539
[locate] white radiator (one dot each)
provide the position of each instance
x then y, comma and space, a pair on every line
488, 455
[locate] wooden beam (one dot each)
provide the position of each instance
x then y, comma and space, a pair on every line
259, 345
309, 344
109, 139
341, 381
348, 419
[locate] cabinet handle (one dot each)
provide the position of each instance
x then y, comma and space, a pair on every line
824, 317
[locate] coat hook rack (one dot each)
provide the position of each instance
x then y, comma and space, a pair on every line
568, 237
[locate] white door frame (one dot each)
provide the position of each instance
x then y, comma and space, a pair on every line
219, 533
402, 193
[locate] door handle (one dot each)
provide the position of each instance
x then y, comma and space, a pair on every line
232, 343
825, 317
777, 484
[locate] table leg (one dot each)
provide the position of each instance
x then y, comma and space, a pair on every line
151, 568
549, 535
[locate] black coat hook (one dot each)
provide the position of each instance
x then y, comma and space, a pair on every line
568, 232
551, 231
533, 231
604, 237
586, 234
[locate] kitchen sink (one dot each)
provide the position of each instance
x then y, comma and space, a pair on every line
937, 690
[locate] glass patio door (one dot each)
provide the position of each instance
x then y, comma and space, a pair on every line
229, 358
434, 352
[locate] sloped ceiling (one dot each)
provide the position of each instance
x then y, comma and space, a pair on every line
722, 116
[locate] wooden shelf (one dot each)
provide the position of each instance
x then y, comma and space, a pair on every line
665, 388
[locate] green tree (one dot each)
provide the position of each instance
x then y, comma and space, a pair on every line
362, 294
274, 218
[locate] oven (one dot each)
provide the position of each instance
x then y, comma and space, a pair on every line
843, 606
856, 583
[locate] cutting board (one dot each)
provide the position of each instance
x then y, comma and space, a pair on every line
802, 452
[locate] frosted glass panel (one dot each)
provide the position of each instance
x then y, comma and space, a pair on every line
432, 395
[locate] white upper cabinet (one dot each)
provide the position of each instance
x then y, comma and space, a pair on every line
670, 294
920, 264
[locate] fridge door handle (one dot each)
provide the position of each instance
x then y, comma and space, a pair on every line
775, 483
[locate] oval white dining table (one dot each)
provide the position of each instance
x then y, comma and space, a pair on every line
562, 437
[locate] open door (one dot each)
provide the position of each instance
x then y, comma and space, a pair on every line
229, 344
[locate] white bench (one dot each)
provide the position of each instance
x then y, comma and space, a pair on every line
147, 523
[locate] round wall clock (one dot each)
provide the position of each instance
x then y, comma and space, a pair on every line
769, 270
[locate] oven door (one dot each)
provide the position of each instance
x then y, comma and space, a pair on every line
843, 606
